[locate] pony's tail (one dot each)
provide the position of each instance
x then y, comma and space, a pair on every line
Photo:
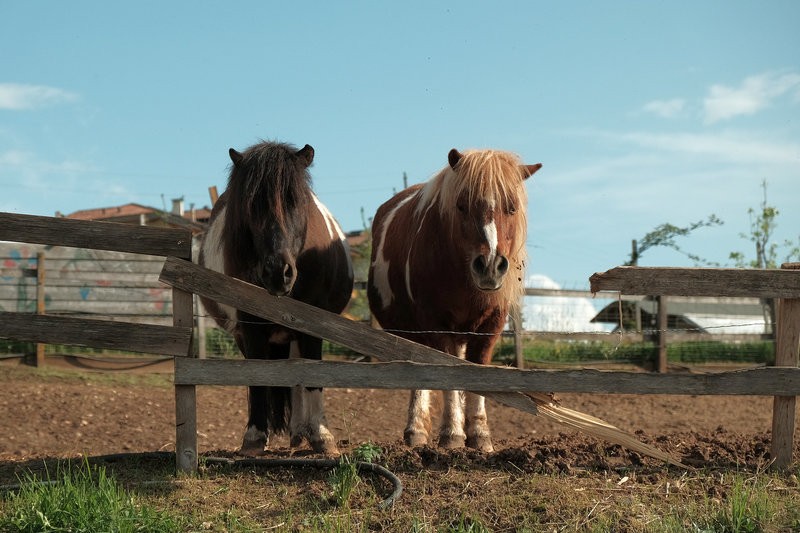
279, 408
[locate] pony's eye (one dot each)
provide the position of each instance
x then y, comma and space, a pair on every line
461, 207
511, 210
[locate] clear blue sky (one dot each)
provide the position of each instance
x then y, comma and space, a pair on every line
641, 112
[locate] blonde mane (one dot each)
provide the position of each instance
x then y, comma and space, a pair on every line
492, 175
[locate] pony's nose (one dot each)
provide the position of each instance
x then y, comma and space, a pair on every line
502, 265
288, 275
498, 266
489, 274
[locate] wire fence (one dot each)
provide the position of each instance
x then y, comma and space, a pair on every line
558, 327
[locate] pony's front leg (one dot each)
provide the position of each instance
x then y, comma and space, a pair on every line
451, 430
477, 423
256, 435
419, 418
478, 434
308, 419
250, 338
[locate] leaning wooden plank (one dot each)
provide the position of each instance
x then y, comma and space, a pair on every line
763, 381
145, 338
379, 344
96, 235
760, 283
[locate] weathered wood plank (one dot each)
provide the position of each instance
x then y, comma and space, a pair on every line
145, 338
761, 283
95, 235
763, 381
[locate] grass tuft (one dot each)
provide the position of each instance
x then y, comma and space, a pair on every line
80, 499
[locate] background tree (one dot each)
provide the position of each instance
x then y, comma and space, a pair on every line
665, 235
762, 227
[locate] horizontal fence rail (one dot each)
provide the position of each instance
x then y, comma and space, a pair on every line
143, 338
95, 235
767, 381
751, 282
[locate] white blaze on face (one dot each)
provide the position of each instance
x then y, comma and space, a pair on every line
490, 231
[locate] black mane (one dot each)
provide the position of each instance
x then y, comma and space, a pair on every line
269, 180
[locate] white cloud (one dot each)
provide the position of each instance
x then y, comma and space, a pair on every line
754, 94
734, 147
665, 108
19, 97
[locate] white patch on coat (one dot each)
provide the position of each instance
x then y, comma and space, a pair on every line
380, 267
214, 257
334, 230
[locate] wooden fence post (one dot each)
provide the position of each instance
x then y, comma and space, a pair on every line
787, 353
40, 303
185, 395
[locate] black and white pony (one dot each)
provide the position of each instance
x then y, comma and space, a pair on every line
269, 229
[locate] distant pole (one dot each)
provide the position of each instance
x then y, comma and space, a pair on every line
405, 181
212, 192
637, 307
40, 303
661, 302
516, 323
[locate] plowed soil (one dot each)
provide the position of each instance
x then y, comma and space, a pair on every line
52, 415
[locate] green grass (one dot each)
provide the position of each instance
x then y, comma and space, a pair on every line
344, 478
444, 499
640, 353
80, 499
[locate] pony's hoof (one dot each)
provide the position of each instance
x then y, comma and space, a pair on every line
296, 441
327, 447
482, 444
451, 442
254, 442
415, 439
252, 450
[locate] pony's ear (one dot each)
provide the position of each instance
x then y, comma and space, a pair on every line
529, 170
306, 155
453, 158
236, 157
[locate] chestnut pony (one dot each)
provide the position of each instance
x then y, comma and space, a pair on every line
447, 265
269, 229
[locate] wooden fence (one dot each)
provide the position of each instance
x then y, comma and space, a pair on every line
441, 371
410, 365
148, 338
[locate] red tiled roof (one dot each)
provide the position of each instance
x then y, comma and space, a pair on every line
110, 212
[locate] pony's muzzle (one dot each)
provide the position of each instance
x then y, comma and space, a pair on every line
280, 279
488, 273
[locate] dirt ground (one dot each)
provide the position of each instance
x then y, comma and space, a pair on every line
57, 416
